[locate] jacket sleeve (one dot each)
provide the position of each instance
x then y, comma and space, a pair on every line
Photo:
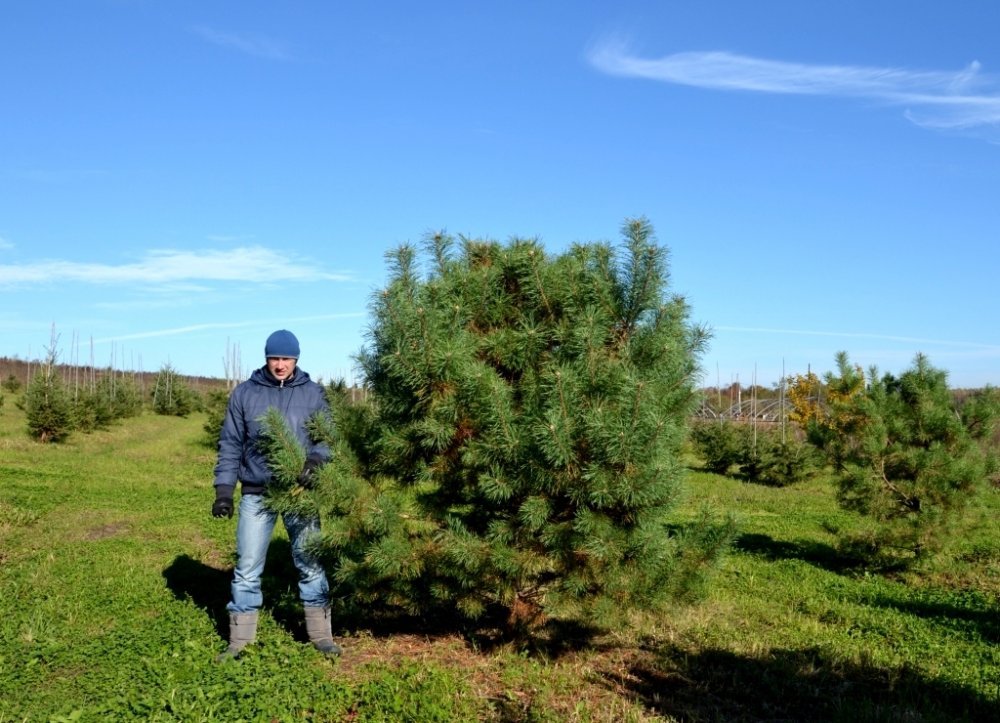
231, 441
320, 450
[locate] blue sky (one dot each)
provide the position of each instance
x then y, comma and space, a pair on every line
178, 179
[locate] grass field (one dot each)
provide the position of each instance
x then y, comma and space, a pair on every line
114, 579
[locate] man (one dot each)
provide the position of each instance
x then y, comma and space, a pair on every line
279, 384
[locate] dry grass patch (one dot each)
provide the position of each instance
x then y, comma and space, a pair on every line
590, 684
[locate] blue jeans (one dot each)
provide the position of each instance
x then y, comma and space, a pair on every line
253, 536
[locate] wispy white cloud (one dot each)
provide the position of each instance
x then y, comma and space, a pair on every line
173, 297
5, 245
962, 99
216, 326
256, 45
251, 264
862, 335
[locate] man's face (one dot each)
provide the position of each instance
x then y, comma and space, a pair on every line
281, 367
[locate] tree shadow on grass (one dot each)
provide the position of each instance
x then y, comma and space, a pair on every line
978, 617
977, 613
815, 553
491, 631
790, 685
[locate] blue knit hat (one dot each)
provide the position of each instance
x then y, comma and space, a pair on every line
282, 343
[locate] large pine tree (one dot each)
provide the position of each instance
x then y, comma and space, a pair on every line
519, 451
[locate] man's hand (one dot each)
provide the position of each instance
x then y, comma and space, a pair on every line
223, 505
307, 477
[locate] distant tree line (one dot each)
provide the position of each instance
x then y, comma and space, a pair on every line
59, 399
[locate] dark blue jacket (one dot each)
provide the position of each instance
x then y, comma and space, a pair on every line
298, 399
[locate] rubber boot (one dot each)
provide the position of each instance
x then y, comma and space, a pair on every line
242, 632
320, 634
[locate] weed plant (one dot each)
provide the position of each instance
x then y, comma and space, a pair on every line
114, 579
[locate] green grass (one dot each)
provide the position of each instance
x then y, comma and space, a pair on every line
114, 579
